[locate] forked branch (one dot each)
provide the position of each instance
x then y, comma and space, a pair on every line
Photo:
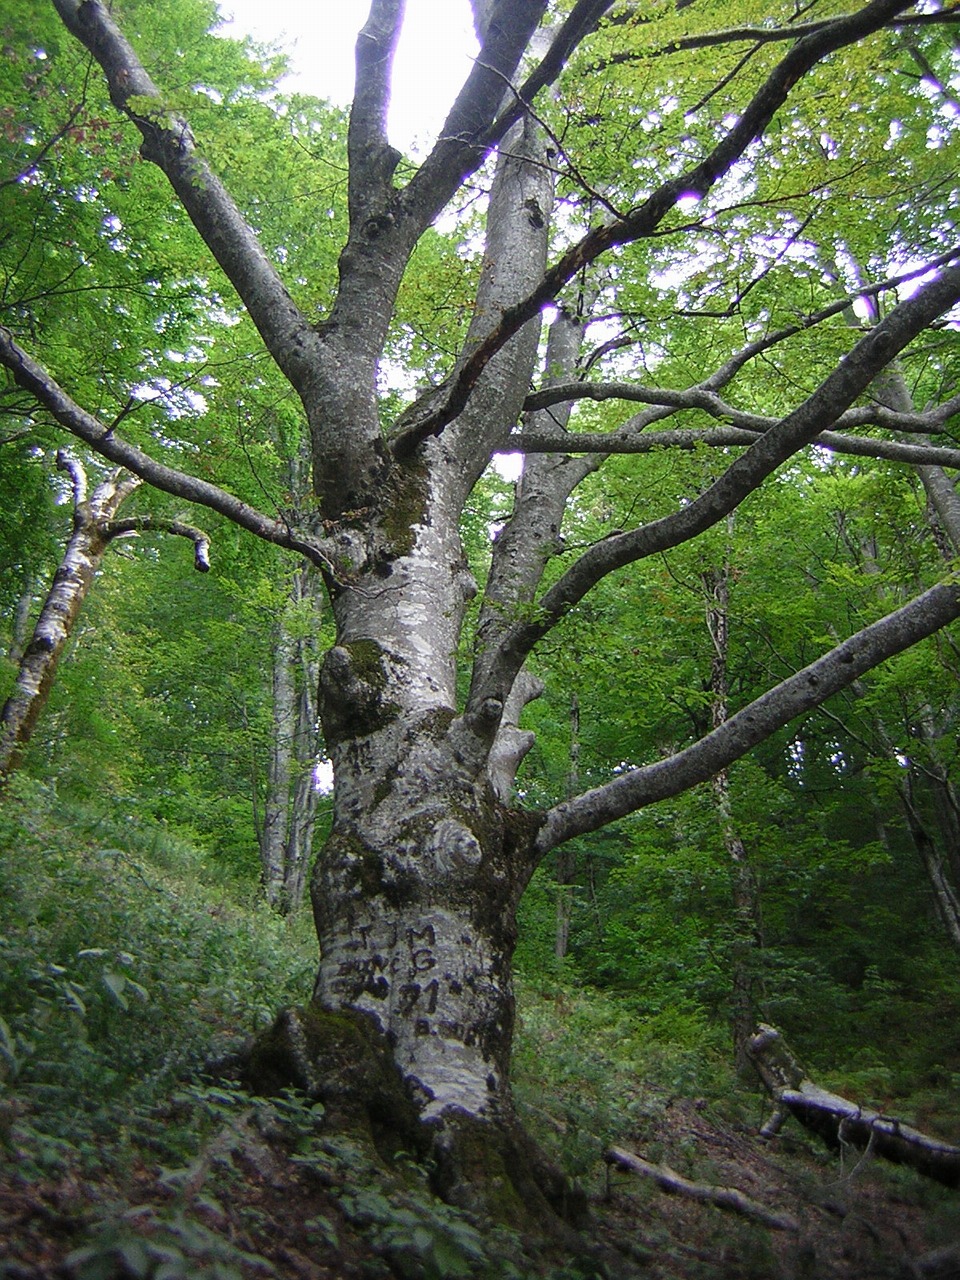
431, 413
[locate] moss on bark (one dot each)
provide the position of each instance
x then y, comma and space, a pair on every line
489, 1167
339, 1059
404, 506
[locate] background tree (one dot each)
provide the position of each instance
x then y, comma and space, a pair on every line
96, 524
689, 263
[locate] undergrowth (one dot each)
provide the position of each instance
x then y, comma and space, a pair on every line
121, 970
126, 963
125, 966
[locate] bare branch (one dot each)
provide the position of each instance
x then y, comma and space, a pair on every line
78, 477
768, 35
169, 143
32, 377
726, 437
698, 397
799, 693
867, 292
156, 524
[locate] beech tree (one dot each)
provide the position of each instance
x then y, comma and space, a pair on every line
649, 179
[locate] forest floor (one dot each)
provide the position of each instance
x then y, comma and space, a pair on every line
249, 1206
125, 963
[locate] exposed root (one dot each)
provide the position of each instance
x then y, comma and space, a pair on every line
489, 1167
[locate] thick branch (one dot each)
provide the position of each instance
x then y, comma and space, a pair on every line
797, 694
467, 134
876, 349
429, 415
579, 23
725, 437
32, 377
169, 143
372, 159
515, 252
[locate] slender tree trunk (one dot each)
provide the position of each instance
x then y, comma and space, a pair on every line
61, 607
567, 854
939, 853
95, 525
747, 932
20, 629
306, 751
276, 805
934, 862
290, 806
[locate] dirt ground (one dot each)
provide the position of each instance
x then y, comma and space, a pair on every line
248, 1207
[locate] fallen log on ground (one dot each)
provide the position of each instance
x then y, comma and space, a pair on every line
840, 1122
723, 1197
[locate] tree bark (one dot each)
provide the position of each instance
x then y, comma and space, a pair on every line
20, 630
415, 893
290, 806
276, 804
95, 525
566, 856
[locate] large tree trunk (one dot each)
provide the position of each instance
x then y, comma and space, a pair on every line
416, 890
415, 893
417, 887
